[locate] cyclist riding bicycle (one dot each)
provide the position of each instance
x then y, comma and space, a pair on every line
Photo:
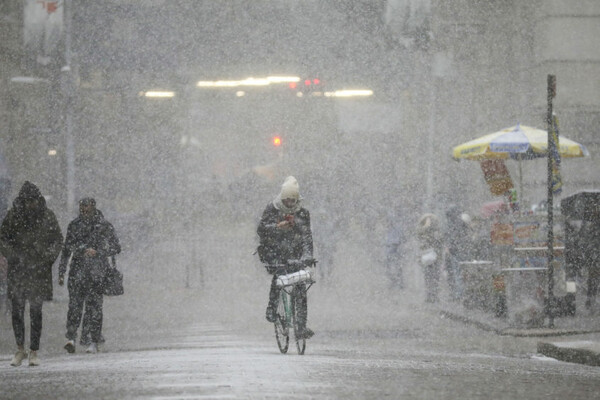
285, 234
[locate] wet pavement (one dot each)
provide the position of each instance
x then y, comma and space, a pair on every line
167, 339
394, 346
214, 361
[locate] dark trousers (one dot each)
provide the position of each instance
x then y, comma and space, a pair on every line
85, 339
18, 320
393, 266
301, 300
82, 293
432, 281
454, 277
593, 281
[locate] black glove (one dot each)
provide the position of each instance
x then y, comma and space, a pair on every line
309, 261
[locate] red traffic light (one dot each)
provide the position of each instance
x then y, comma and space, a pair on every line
276, 141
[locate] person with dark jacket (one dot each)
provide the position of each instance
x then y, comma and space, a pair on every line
91, 240
394, 249
431, 244
459, 247
30, 239
589, 238
285, 234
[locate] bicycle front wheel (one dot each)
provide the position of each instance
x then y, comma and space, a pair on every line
300, 341
282, 331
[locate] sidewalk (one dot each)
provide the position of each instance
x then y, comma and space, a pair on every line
580, 352
583, 351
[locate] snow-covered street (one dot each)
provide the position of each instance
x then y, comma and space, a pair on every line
216, 361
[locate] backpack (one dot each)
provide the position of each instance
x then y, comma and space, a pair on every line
262, 253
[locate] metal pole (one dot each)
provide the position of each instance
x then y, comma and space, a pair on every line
521, 197
69, 94
551, 149
430, 141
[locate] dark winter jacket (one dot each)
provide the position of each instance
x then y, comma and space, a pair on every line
281, 245
30, 239
589, 240
96, 233
429, 235
458, 236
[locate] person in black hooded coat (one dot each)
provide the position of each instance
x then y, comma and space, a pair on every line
285, 234
30, 239
91, 240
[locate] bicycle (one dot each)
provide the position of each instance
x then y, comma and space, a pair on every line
290, 276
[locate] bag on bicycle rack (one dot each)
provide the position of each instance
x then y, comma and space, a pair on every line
301, 276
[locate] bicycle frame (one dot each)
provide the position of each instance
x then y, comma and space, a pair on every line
287, 299
287, 316
290, 321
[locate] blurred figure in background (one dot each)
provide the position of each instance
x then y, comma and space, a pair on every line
429, 235
327, 228
394, 251
4, 307
5, 187
91, 240
30, 239
458, 240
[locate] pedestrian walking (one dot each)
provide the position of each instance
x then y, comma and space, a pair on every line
5, 184
30, 239
4, 307
394, 249
327, 229
90, 242
589, 238
458, 241
429, 235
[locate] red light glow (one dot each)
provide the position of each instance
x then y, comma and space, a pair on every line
276, 141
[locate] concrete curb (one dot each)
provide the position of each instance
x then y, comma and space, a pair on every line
574, 353
469, 321
516, 332
545, 332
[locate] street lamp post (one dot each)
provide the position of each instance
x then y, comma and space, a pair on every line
68, 86
551, 150
440, 67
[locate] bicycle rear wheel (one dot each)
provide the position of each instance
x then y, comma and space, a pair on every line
300, 341
282, 331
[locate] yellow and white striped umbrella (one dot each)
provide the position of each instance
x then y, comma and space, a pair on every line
517, 142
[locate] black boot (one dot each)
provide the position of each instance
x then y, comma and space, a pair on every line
305, 333
270, 314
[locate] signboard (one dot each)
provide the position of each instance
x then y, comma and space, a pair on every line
502, 234
496, 176
528, 232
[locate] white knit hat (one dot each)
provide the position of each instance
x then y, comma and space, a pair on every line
466, 218
290, 189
